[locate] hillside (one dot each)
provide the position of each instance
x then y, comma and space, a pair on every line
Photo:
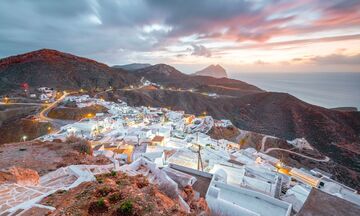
168, 76
52, 68
133, 66
216, 71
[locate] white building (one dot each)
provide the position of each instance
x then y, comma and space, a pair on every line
225, 199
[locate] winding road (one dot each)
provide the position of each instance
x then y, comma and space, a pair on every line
56, 123
263, 141
43, 113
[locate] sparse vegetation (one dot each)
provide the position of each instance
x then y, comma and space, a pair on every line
104, 191
99, 180
113, 173
101, 202
126, 208
116, 197
98, 206
122, 182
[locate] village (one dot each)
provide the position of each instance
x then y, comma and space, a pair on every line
233, 181
175, 147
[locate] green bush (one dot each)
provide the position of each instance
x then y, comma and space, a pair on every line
126, 208
98, 206
100, 203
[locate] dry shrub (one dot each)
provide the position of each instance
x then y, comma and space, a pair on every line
72, 139
116, 197
141, 182
103, 191
81, 145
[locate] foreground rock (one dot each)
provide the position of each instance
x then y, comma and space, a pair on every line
119, 194
18, 175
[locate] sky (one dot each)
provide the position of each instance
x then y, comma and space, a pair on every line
241, 35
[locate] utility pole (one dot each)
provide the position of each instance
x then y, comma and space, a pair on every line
200, 163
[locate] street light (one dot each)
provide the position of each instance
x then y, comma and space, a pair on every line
6, 99
24, 138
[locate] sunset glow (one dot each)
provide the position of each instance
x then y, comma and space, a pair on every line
272, 35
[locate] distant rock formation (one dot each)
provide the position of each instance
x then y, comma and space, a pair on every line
133, 66
213, 70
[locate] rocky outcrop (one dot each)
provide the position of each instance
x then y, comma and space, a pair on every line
19, 176
213, 70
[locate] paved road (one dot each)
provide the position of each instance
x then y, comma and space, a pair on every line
179, 90
326, 159
263, 141
43, 113
56, 123
107, 90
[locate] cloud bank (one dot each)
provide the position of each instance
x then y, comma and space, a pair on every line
154, 30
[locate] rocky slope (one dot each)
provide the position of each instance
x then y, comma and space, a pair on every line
52, 68
215, 71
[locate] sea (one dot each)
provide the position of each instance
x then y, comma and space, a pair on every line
325, 89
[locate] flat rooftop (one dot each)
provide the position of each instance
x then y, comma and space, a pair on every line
253, 203
320, 203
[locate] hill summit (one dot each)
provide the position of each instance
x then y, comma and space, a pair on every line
216, 71
59, 70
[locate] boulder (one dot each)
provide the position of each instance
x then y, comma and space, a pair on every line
20, 176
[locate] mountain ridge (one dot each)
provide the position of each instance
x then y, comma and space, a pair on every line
132, 66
